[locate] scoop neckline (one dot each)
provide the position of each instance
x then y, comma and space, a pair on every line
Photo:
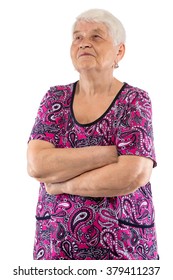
98, 119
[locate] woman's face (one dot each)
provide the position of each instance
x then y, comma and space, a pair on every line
92, 47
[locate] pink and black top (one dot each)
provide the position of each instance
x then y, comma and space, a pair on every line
71, 227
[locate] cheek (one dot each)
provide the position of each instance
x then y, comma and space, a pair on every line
110, 56
73, 53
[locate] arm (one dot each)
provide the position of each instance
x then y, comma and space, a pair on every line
112, 180
49, 164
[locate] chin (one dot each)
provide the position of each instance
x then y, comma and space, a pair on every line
85, 67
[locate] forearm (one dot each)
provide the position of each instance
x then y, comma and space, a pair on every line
95, 183
100, 183
112, 180
52, 164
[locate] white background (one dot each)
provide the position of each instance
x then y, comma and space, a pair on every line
35, 38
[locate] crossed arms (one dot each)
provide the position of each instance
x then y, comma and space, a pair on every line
95, 171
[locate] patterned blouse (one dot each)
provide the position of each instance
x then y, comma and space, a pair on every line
72, 227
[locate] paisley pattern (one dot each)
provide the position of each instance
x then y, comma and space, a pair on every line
86, 228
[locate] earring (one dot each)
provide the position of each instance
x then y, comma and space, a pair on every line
116, 65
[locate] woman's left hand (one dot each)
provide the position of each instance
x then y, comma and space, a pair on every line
55, 189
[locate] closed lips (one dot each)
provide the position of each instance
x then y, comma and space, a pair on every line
85, 54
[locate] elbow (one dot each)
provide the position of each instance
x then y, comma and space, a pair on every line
33, 171
137, 173
36, 170
144, 176
140, 181
34, 166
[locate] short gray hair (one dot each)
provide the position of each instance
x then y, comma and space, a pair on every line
115, 27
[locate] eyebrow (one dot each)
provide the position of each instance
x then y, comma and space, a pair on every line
97, 30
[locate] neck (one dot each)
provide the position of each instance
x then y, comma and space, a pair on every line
91, 85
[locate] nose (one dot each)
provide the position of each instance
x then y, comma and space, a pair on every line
85, 44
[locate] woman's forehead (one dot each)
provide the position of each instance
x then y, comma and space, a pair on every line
90, 26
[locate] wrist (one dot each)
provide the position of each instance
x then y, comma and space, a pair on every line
108, 155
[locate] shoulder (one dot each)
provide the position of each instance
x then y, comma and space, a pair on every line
58, 93
135, 94
60, 89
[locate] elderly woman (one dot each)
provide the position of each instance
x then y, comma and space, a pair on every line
91, 148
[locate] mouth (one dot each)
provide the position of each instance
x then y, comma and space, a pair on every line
85, 54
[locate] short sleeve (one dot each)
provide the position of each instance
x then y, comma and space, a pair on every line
45, 126
135, 130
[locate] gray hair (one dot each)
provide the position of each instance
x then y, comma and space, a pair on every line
115, 27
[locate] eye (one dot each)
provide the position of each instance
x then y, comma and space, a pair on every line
96, 37
77, 38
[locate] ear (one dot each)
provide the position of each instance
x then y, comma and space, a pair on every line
120, 51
